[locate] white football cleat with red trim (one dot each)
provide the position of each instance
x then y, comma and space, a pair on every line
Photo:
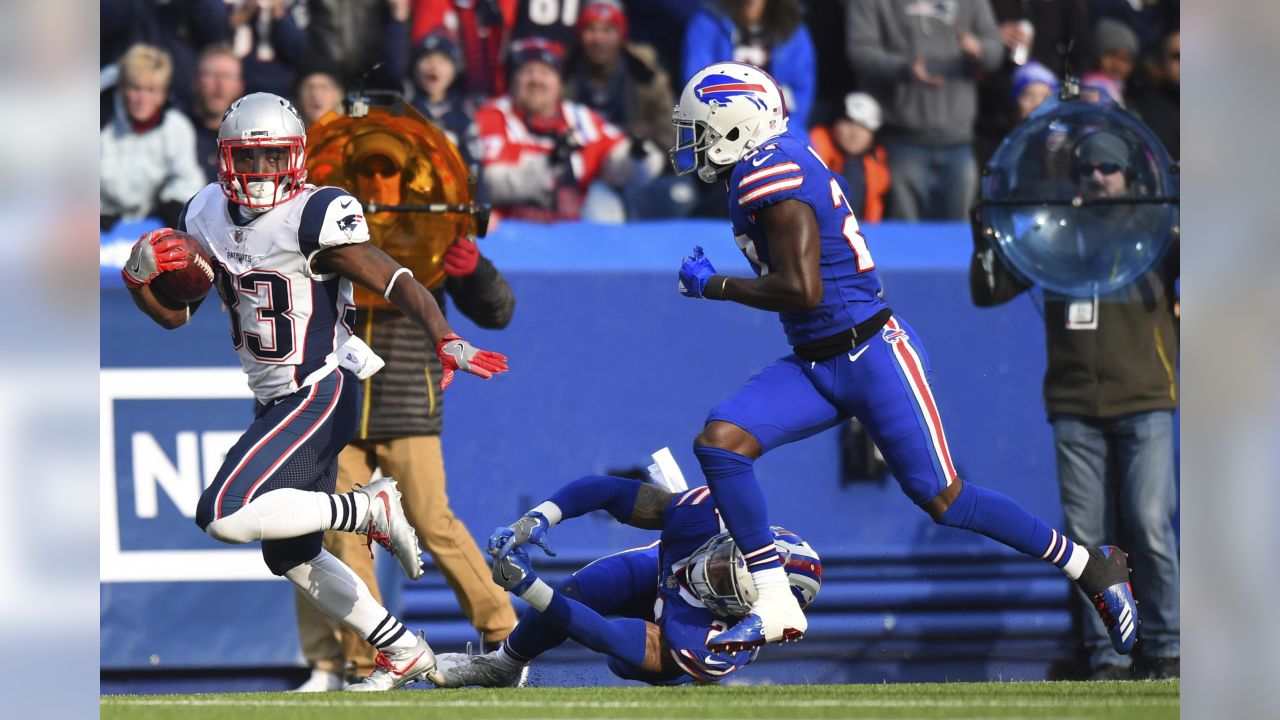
388, 526
394, 668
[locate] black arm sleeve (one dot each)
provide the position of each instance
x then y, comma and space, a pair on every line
483, 296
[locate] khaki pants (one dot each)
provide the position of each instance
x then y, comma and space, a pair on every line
418, 466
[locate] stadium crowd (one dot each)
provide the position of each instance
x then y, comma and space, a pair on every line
564, 105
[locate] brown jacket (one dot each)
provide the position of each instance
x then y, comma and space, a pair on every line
1127, 364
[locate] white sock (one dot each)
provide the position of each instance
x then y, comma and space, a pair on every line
1075, 564
505, 660
343, 596
770, 578
348, 512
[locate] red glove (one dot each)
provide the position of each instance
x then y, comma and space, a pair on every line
461, 257
458, 354
156, 252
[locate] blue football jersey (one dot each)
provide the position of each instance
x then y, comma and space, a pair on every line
786, 168
690, 519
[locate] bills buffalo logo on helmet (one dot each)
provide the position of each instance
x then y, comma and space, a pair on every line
348, 224
719, 90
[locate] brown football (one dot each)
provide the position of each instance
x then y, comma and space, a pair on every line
192, 282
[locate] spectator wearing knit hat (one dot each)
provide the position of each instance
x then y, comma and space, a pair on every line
848, 146
1117, 49
435, 73
545, 157
1058, 34
1032, 84
621, 80
482, 31
319, 91
1150, 20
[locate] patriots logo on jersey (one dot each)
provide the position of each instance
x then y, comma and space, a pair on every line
719, 90
348, 224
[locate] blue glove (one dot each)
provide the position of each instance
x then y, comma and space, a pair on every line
532, 528
513, 571
695, 271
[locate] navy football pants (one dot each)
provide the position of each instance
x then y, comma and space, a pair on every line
293, 443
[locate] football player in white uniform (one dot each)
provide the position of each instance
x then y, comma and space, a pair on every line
285, 254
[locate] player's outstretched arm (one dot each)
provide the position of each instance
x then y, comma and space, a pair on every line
794, 281
154, 253
372, 268
629, 501
367, 265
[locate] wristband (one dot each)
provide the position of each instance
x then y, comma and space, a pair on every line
538, 595
718, 294
392, 282
550, 511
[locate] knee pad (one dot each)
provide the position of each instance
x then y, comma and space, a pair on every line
282, 556
236, 528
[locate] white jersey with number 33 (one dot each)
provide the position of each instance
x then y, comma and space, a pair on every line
287, 321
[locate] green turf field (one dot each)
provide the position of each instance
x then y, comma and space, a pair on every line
954, 701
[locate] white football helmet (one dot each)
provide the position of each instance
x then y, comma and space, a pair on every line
261, 151
718, 573
726, 109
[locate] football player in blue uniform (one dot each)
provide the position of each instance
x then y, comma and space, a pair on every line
852, 355
650, 609
284, 254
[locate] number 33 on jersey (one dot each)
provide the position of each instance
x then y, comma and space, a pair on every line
287, 321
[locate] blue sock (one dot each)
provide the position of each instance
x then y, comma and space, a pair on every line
535, 634
737, 493
1002, 519
532, 636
